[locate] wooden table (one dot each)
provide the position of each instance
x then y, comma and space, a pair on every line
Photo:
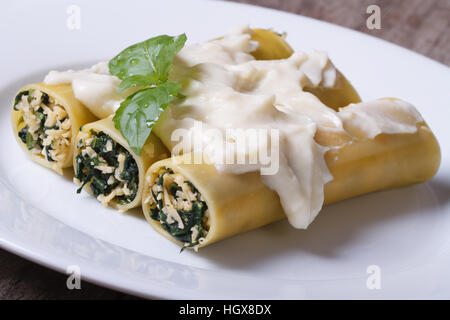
423, 26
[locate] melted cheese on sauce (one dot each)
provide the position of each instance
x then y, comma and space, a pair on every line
225, 87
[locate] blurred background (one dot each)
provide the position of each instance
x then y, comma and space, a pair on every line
422, 26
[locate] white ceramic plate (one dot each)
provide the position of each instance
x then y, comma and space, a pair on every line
404, 232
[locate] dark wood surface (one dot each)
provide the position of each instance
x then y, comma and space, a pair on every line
420, 25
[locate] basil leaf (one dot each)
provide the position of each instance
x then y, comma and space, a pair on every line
139, 112
145, 64
150, 60
135, 81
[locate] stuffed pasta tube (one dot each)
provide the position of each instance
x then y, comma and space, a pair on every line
107, 168
272, 46
45, 120
103, 180
195, 204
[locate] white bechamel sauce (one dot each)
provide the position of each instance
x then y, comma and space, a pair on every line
261, 95
318, 70
95, 87
225, 87
234, 48
370, 119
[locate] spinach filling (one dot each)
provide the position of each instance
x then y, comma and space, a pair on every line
34, 139
27, 137
194, 218
107, 153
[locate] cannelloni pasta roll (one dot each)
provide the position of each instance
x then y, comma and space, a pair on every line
45, 118
108, 169
341, 94
272, 46
196, 205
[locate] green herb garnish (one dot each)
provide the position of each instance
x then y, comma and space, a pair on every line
146, 64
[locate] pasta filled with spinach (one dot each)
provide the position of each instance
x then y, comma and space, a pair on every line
45, 120
195, 205
107, 168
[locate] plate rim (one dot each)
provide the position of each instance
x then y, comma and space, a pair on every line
48, 260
